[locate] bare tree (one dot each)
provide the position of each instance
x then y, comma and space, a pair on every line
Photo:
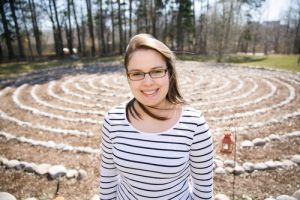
77, 27
69, 32
91, 26
35, 26
7, 32
13, 9
120, 27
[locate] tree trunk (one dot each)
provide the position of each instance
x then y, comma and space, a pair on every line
77, 28
130, 18
7, 33
91, 26
153, 17
179, 31
112, 25
36, 30
54, 29
69, 29
21, 49
102, 30
27, 34
60, 43
120, 28
297, 37
83, 34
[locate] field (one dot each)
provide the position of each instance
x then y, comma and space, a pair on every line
54, 116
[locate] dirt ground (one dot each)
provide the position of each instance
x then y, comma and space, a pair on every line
253, 102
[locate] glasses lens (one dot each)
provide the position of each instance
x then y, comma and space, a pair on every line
158, 73
136, 75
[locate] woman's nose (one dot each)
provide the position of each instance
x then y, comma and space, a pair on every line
147, 80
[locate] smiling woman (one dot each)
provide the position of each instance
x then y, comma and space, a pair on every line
154, 145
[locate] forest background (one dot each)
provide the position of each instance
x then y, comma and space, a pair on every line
32, 29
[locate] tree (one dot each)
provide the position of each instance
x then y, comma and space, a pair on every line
36, 30
91, 26
13, 8
112, 17
120, 27
27, 32
77, 27
102, 29
7, 32
69, 32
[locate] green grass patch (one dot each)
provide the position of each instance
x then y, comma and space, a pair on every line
11, 69
195, 57
277, 61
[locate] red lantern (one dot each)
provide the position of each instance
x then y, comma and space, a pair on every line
227, 142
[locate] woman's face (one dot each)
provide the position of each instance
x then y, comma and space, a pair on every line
149, 91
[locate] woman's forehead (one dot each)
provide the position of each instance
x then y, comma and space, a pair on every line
146, 59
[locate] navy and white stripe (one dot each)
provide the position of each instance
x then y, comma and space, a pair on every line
175, 164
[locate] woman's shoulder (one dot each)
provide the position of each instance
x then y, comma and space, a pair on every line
191, 112
116, 111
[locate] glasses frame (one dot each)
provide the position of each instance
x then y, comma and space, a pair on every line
149, 73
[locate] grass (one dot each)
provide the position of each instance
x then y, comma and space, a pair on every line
278, 61
11, 69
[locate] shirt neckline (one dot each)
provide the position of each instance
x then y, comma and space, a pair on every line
155, 133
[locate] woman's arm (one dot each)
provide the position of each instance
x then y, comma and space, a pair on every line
201, 162
108, 173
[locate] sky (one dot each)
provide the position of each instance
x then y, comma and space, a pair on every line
273, 10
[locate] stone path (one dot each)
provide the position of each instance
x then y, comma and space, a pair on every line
57, 113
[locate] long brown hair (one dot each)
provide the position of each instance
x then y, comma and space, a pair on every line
146, 41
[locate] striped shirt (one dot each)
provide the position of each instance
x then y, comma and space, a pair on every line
174, 164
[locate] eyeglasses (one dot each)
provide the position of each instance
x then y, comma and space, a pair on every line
137, 75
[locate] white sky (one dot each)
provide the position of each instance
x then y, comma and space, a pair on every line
274, 9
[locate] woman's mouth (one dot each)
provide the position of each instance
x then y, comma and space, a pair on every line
149, 92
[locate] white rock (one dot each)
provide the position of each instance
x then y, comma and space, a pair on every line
6, 196
247, 144
12, 163
288, 164
221, 197
249, 167
260, 166
229, 163
259, 142
30, 167
274, 137
72, 173
296, 159
220, 170
229, 169
95, 197
238, 170
31, 198
82, 174
57, 171
51, 144
218, 163
42, 169
245, 197
270, 198
285, 197
297, 194
294, 134
271, 164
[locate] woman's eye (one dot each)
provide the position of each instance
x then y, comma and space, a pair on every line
137, 74
157, 72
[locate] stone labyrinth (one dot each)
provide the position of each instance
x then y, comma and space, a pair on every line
50, 121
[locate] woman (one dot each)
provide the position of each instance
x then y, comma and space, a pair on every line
154, 147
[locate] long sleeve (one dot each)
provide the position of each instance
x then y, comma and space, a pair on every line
108, 172
201, 162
